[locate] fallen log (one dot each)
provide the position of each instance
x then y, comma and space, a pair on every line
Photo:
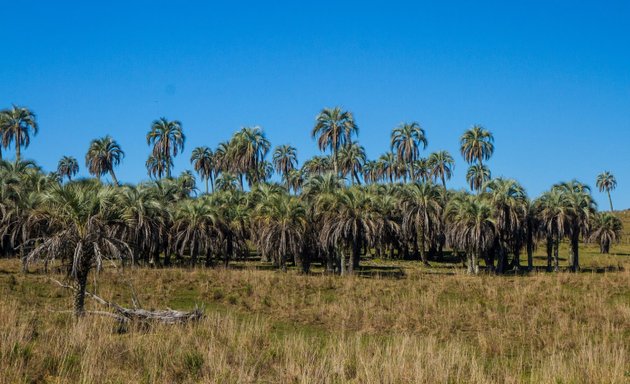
137, 314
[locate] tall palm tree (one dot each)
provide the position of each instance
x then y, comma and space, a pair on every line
606, 182
84, 228
317, 165
334, 129
202, 160
247, 151
554, 216
281, 223
607, 230
477, 176
285, 161
350, 221
68, 166
509, 200
406, 141
477, 144
167, 139
581, 208
351, 160
195, 223
441, 165
102, 156
421, 211
472, 227
17, 125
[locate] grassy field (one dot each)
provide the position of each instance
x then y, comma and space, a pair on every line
406, 323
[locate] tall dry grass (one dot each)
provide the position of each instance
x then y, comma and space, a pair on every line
265, 326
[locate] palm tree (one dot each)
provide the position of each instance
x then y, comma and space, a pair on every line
202, 160
406, 141
421, 211
476, 176
281, 223
607, 229
581, 208
317, 165
509, 200
167, 139
554, 216
441, 165
247, 151
285, 161
227, 182
16, 125
295, 180
68, 166
476, 145
84, 228
351, 160
606, 182
350, 220
157, 165
472, 227
195, 224
102, 156
334, 129
388, 167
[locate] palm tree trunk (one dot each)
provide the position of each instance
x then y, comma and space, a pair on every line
212, 182
207, 189
556, 258
609, 199
113, 175
229, 250
193, 253
443, 181
18, 144
575, 266
549, 253
208, 256
530, 249
342, 262
79, 296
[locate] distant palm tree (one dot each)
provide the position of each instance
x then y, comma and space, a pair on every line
406, 141
167, 139
476, 145
246, 153
509, 200
606, 182
16, 125
156, 166
334, 129
388, 167
285, 161
195, 223
68, 166
581, 209
102, 156
441, 166
281, 223
421, 211
472, 227
554, 216
477, 175
351, 160
607, 229
350, 220
317, 165
202, 160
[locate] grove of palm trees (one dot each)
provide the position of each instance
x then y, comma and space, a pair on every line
339, 252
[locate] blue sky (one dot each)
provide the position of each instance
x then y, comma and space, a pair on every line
550, 79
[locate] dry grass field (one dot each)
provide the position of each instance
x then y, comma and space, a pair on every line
400, 324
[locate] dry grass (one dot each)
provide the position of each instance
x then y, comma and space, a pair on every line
431, 325
265, 326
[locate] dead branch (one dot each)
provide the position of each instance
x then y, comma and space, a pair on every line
167, 316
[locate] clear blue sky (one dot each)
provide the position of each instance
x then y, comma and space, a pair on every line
550, 79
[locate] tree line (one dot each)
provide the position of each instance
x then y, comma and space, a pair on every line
334, 210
